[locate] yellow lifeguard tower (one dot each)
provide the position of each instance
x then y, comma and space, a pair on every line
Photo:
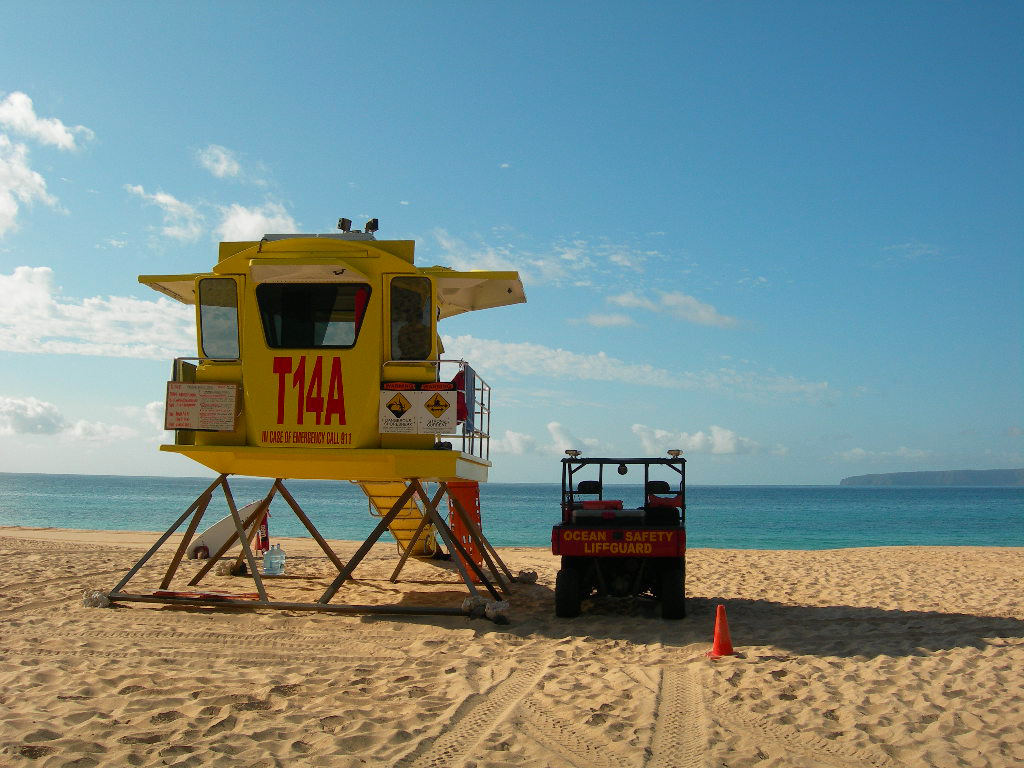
319, 358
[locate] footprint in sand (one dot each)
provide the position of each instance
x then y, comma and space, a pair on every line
227, 724
43, 734
147, 738
34, 751
254, 705
165, 717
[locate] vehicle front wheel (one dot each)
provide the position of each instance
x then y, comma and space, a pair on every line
673, 590
567, 593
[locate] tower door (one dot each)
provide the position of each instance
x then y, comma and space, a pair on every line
311, 365
410, 331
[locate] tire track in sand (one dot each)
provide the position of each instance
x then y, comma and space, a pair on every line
477, 718
562, 737
680, 737
788, 740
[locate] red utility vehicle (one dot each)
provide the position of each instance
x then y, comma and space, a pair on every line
609, 549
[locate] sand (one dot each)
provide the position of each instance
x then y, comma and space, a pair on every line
907, 656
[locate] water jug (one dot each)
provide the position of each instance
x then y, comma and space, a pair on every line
271, 564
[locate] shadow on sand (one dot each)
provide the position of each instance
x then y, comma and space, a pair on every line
835, 630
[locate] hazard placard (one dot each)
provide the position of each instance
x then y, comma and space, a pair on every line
396, 415
399, 405
417, 413
437, 405
437, 414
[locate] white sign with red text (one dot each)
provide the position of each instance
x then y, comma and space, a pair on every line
206, 407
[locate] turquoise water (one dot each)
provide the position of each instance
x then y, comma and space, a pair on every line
734, 517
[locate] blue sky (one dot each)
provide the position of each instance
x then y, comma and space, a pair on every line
786, 238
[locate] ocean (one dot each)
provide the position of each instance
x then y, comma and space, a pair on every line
521, 514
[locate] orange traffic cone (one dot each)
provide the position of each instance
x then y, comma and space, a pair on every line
723, 643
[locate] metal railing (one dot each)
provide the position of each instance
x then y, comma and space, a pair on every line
474, 435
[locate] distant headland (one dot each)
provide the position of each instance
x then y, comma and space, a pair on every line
948, 477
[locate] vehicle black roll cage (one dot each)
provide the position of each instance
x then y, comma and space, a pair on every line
570, 466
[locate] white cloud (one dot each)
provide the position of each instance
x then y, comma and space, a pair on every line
624, 258
151, 414
716, 440
560, 438
612, 320
678, 305
563, 439
220, 161
35, 319
630, 300
687, 308
97, 432
514, 443
18, 116
154, 414
912, 250
908, 454
526, 359
181, 220
576, 261
460, 255
29, 416
18, 183
239, 223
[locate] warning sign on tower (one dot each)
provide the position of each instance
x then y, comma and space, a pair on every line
399, 405
437, 405
437, 416
417, 413
396, 415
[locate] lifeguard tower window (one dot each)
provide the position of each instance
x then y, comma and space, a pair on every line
312, 315
218, 317
411, 331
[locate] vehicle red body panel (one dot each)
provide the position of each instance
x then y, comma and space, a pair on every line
577, 541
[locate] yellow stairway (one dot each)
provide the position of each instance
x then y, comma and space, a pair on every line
382, 496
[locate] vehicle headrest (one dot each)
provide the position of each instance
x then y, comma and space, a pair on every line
658, 486
588, 486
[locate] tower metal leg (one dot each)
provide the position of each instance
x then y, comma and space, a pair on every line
208, 566
366, 546
168, 533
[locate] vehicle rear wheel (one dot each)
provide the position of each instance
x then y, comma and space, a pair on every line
673, 590
568, 593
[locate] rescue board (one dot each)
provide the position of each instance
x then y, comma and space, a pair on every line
213, 538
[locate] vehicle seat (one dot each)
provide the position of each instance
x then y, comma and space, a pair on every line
662, 510
593, 488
